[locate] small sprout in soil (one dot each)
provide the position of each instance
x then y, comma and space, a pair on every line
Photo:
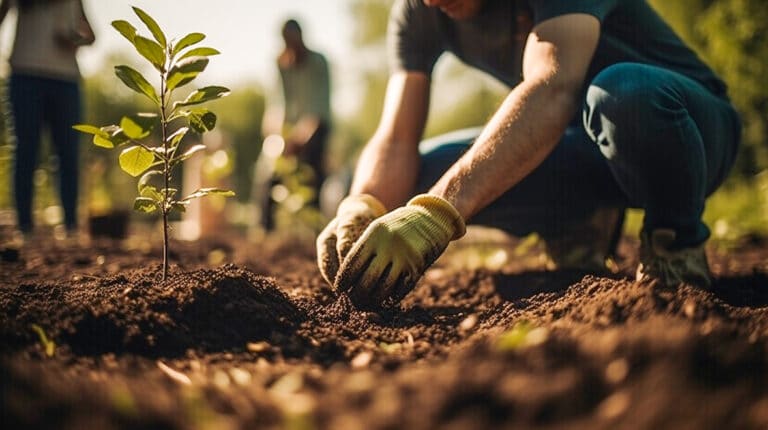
49, 346
522, 335
122, 400
390, 348
177, 63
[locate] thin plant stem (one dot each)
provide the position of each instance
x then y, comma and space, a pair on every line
166, 173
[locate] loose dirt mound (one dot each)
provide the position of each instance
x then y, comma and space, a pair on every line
210, 310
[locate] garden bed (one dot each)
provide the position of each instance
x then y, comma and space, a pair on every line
247, 335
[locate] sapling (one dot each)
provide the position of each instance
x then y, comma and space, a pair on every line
177, 62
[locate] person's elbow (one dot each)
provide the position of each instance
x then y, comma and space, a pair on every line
560, 89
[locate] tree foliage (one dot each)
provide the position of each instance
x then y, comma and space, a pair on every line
144, 156
732, 36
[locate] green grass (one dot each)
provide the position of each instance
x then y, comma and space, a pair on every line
737, 210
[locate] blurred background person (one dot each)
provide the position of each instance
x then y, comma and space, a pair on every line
44, 90
304, 123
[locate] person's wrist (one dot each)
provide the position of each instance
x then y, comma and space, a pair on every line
360, 202
442, 210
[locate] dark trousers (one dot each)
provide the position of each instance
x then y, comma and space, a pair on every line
647, 138
312, 155
37, 102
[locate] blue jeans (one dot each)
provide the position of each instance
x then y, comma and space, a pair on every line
647, 138
37, 102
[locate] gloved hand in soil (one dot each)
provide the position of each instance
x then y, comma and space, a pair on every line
335, 241
396, 249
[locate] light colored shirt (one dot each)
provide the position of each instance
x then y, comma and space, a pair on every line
306, 89
37, 50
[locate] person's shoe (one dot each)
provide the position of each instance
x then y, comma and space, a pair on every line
586, 246
672, 267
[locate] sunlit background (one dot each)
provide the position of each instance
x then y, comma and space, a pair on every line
730, 34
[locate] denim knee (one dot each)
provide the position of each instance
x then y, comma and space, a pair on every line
626, 105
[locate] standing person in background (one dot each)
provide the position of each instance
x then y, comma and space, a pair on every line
306, 116
44, 90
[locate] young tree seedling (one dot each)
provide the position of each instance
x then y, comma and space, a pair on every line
178, 62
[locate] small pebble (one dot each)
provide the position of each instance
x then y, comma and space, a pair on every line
362, 360
616, 371
257, 346
689, 309
614, 405
469, 322
240, 376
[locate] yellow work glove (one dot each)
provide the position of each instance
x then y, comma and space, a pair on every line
334, 242
396, 249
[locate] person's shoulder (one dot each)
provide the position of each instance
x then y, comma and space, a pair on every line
317, 57
412, 10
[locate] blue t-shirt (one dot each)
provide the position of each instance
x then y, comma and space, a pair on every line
492, 41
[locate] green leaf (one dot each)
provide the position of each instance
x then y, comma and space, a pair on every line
135, 81
179, 206
201, 120
138, 126
522, 335
150, 50
185, 71
203, 95
202, 51
207, 192
125, 28
151, 192
135, 160
146, 180
102, 142
190, 152
144, 204
171, 193
90, 129
102, 136
177, 135
186, 41
48, 345
152, 26
116, 135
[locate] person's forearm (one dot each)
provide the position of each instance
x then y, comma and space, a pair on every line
518, 138
387, 170
304, 128
4, 5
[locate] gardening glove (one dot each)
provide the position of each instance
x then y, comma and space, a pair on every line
396, 249
335, 241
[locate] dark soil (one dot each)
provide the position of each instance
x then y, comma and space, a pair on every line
249, 336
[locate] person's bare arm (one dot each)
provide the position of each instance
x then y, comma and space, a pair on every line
389, 165
532, 118
301, 132
4, 6
84, 29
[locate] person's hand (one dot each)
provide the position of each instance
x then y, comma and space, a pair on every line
292, 147
394, 251
335, 241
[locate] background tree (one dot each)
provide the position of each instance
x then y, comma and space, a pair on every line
732, 36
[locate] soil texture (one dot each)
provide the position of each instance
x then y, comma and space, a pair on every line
247, 336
